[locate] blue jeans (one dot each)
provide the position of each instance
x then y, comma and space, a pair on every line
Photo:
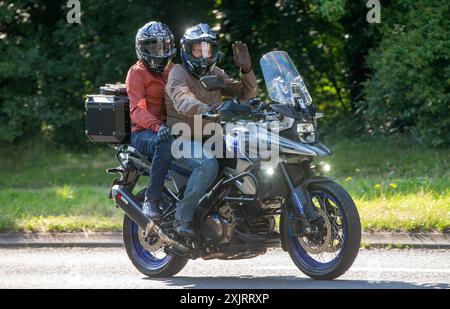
204, 172
146, 141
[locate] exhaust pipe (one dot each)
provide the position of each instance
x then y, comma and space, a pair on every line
125, 200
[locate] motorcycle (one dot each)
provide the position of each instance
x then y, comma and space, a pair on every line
254, 204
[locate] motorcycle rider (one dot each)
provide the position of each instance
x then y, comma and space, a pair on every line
186, 97
145, 84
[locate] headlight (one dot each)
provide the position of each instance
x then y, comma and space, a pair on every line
281, 125
305, 128
321, 168
306, 132
269, 171
325, 167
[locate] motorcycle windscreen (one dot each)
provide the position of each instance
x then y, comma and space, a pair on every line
283, 81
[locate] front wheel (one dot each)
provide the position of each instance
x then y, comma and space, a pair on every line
147, 253
332, 248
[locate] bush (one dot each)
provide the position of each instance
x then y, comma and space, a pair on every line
47, 66
408, 90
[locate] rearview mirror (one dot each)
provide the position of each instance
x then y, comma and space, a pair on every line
212, 83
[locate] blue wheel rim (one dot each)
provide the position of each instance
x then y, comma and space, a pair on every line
143, 256
303, 257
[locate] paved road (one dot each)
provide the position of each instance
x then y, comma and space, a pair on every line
110, 268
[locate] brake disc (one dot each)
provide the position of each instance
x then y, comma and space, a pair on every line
314, 247
151, 242
336, 241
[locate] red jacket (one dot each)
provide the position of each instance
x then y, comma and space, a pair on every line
146, 92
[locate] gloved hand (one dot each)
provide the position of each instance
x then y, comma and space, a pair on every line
164, 133
242, 57
214, 109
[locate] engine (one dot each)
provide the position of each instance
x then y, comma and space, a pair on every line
218, 230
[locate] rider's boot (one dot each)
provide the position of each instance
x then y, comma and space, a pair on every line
184, 229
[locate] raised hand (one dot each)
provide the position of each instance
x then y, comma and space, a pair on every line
242, 57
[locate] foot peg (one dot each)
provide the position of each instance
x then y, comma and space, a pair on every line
115, 170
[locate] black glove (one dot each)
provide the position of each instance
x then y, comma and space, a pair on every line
242, 57
232, 109
214, 109
164, 133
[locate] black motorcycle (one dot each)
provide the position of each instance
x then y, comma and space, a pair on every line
254, 204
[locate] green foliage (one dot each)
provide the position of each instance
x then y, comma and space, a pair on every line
331, 9
314, 42
409, 88
387, 78
47, 66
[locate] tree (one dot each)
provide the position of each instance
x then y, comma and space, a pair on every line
408, 91
314, 42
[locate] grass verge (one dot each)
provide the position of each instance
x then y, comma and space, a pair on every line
397, 186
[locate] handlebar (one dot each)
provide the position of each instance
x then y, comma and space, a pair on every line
252, 107
255, 108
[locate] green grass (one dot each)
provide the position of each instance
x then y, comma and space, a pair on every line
59, 208
43, 167
412, 212
396, 184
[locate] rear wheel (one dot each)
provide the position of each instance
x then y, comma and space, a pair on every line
147, 252
332, 249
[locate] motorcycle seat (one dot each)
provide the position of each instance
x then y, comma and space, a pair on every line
148, 159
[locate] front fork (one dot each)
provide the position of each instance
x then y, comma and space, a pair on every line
303, 212
299, 196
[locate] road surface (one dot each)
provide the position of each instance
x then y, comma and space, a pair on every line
110, 268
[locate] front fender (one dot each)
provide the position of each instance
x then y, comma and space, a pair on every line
307, 181
300, 196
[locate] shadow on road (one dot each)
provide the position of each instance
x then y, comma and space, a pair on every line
287, 282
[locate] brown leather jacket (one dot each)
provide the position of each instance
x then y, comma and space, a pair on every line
186, 97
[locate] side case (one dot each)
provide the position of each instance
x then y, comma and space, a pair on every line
108, 118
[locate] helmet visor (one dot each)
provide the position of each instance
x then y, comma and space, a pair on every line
205, 50
157, 47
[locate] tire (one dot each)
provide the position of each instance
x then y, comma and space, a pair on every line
143, 260
351, 236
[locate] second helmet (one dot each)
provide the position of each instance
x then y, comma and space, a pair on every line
155, 46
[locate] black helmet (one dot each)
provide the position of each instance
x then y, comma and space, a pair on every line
155, 46
199, 50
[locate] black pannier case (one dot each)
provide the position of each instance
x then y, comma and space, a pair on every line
108, 115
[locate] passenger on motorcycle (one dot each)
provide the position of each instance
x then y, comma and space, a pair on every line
186, 97
145, 84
